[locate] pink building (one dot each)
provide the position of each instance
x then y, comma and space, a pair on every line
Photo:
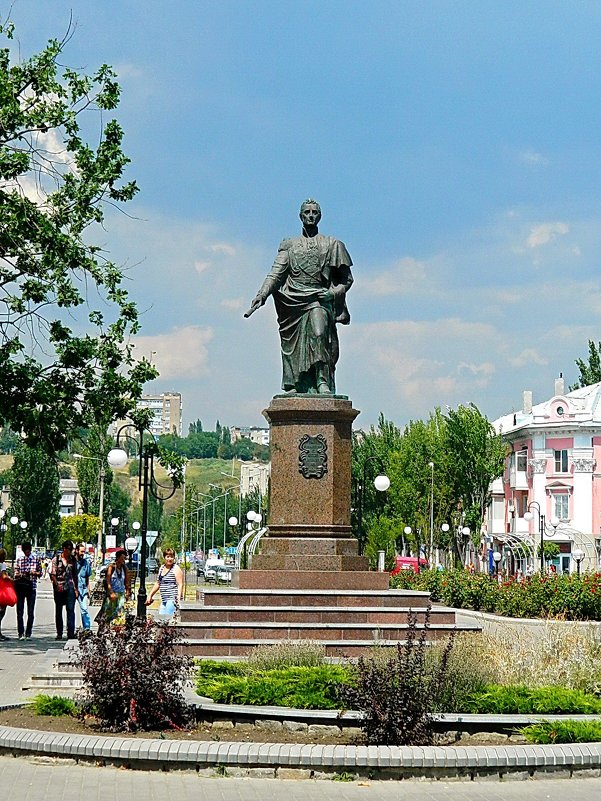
552, 472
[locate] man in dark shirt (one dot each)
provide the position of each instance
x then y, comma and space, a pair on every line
28, 569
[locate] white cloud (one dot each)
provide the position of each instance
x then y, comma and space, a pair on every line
533, 158
224, 248
546, 232
234, 304
201, 266
402, 279
127, 70
526, 358
179, 354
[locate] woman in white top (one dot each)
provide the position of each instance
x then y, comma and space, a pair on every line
170, 584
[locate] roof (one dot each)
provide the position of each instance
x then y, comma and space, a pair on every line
581, 407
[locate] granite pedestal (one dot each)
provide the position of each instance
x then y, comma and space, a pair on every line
310, 543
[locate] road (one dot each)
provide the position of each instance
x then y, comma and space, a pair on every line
25, 779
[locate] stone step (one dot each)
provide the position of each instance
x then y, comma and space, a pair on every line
310, 579
303, 562
316, 632
334, 649
216, 596
312, 614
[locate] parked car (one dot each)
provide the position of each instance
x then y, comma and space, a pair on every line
152, 565
223, 574
210, 573
409, 563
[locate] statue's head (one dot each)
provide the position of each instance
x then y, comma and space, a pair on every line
310, 212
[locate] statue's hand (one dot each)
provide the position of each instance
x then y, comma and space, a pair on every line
327, 295
257, 302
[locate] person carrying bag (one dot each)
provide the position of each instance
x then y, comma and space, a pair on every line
8, 595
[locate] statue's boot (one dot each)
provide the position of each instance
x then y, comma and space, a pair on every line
323, 385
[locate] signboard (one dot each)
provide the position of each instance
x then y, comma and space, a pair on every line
231, 551
151, 537
213, 553
111, 541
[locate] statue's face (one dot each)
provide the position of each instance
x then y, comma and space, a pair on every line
310, 214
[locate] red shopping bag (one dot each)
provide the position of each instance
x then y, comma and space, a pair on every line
8, 596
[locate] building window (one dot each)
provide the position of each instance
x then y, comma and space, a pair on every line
522, 461
561, 461
560, 503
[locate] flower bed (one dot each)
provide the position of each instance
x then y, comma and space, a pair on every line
569, 597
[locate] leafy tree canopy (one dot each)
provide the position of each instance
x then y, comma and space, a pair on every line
590, 370
80, 528
35, 494
54, 185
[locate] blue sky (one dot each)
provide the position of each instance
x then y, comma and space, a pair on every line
453, 146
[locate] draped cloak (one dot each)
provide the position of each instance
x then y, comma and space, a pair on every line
303, 267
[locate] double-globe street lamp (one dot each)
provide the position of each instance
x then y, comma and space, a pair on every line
147, 483
578, 555
381, 483
541, 528
460, 531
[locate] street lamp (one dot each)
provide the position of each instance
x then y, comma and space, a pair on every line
381, 483
541, 528
131, 545
497, 556
147, 482
431, 466
578, 555
114, 527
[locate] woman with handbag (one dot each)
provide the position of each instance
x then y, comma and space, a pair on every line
117, 591
8, 596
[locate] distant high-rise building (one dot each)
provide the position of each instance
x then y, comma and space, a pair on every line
256, 434
166, 411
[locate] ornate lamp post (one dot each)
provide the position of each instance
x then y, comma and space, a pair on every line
578, 556
541, 528
147, 481
381, 483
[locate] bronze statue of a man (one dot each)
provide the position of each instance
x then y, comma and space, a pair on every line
309, 281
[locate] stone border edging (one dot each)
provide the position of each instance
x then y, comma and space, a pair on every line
310, 761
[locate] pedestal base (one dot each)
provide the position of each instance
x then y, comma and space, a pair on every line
309, 580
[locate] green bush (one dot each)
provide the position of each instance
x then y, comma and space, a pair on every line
53, 705
571, 597
521, 700
300, 687
563, 731
397, 695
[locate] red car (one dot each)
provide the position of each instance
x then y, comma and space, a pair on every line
409, 563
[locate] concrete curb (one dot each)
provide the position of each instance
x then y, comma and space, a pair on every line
311, 761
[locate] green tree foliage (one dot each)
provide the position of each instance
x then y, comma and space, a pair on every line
54, 185
35, 494
8, 440
80, 528
478, 456
381, 536
590, 370
466, 455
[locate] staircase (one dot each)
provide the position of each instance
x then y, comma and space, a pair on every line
232, 622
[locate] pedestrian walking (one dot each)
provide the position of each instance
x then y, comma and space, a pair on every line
170, 584
28, 569
116, 590
84, 571
8, 596
63, 575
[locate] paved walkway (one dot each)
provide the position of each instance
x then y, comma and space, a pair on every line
18, 658
32, 779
